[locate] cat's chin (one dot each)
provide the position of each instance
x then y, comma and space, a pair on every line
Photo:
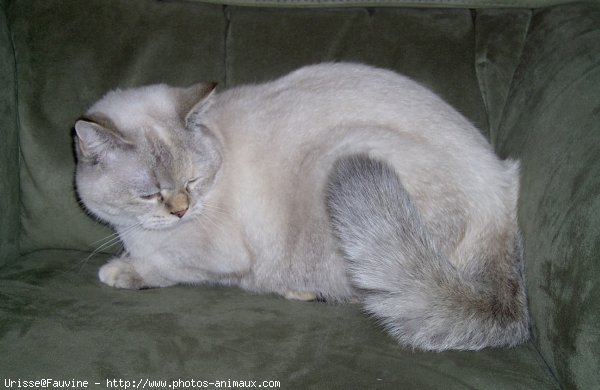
162, 223
160, 227
153, 223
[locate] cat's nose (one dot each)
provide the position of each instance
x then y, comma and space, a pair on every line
179, 213
178, 204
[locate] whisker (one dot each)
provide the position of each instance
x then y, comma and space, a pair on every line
116, 237
203, 219
110, 236
112, 240
220, 210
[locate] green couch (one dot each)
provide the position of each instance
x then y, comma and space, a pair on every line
527, 73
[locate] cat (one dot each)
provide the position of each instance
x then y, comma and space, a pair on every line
336, 182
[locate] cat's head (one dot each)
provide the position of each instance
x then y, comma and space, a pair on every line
139, 159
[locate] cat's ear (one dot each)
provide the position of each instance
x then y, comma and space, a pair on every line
195, 100
94, 140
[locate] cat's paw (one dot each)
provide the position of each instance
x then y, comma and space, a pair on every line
301, 295
120, 274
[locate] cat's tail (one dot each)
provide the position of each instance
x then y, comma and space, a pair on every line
422, 299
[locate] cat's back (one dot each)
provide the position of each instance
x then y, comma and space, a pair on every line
315, 87
342, 77
317, 98
321, 111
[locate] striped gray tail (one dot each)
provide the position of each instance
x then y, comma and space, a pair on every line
418, 295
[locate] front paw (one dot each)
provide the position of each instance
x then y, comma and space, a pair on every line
305, 296
120, 274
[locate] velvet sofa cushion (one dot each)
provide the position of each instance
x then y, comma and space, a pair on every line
552, 124
64, 324
528, 79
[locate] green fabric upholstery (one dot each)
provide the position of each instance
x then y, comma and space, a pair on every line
69, 53
475, 4
9, 148
528, 77
552, 124
64, 324
416, 42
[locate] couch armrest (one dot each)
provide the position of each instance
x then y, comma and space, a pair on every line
9, 146
552, 124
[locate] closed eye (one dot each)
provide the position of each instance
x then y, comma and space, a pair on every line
155, 196
190, 183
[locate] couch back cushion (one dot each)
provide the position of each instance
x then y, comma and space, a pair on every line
552, 124
68, 55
